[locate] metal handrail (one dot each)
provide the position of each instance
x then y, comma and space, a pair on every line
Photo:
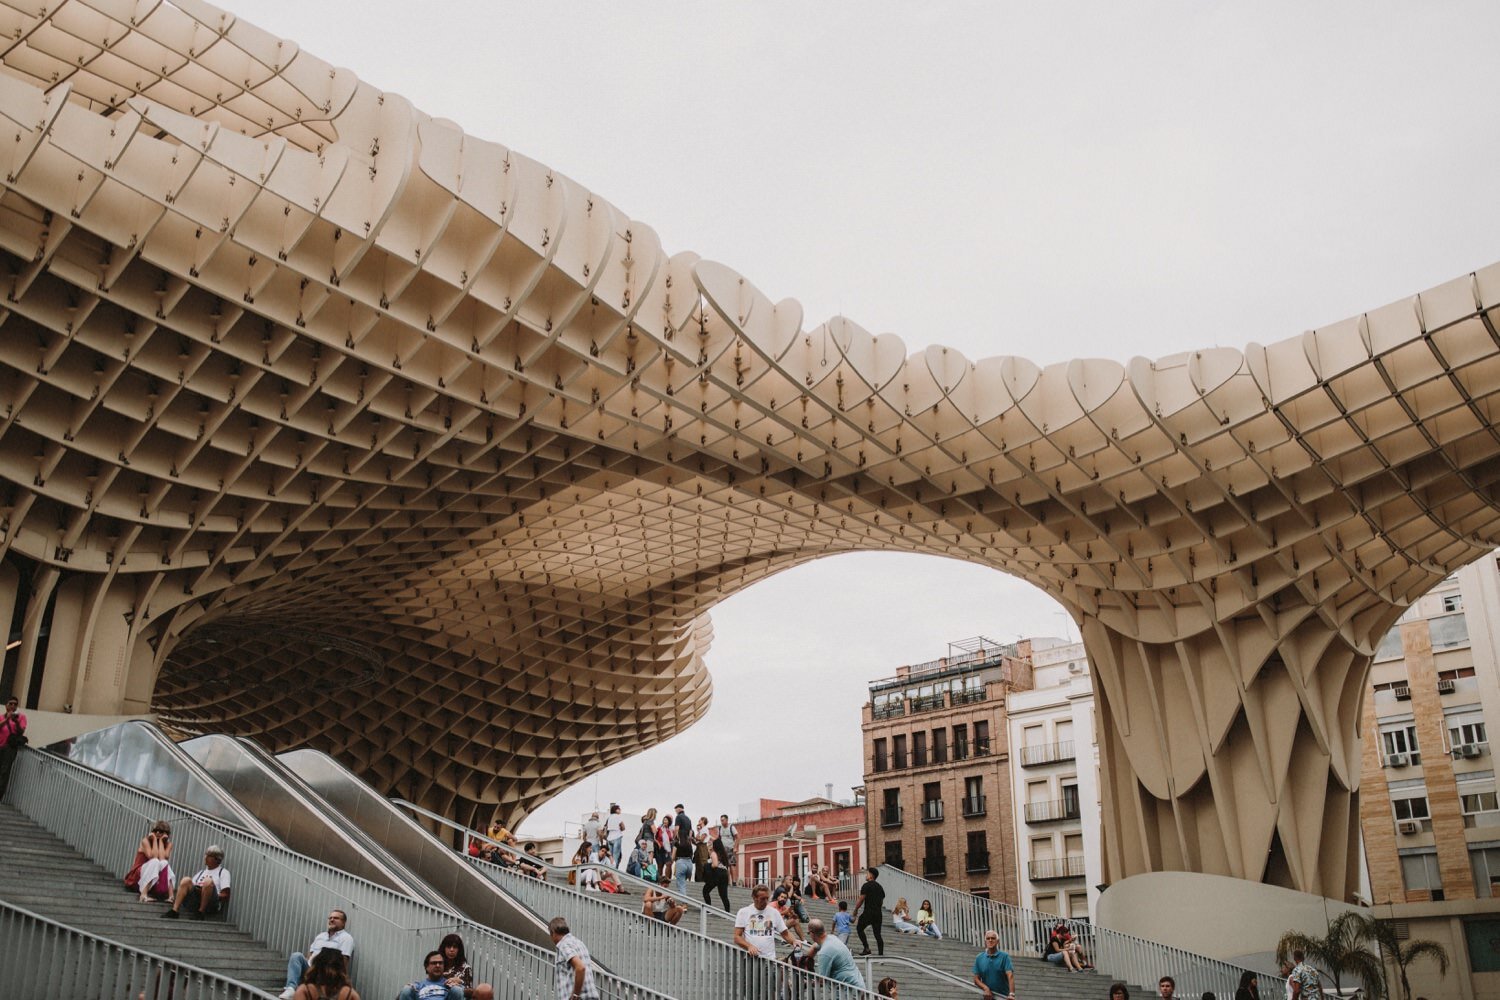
1023, 931
679, 961
80, 964
271, 901
872, 960
556, 869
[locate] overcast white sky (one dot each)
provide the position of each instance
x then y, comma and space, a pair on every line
1049, 180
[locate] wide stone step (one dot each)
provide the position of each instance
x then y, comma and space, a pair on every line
39, 872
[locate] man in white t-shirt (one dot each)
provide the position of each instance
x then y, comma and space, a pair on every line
334, 937
757, 926
208, 890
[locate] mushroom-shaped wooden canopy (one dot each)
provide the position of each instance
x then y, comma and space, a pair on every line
324, 421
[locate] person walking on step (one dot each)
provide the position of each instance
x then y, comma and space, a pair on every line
206, 891
434, 987
575, 979
12, 739
993, 972
867, 911
327, 978
716, 874
335, 936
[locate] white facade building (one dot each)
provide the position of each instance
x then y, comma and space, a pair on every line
1054, 783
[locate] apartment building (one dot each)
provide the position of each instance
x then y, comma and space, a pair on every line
937, 766
1428, 807
1054, 766
790, 838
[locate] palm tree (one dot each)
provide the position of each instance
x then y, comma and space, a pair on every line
1343, 951
1383, 932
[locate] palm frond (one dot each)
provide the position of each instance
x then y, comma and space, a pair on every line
1425, 949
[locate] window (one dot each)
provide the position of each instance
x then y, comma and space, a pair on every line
762, 870
940, 746
1449, 631
1073, 845
919, 749
1047, 903
892, 855
1041, 849
890, 810
977, 857
1419, 873
1480, 809
1070, 800
1078, 905
981, 738
932, 802
960, 742
974, 796
1412, 808
881, 761
799, 868
1466, 728
1453, 602
1064, 731
900, 742
1401, 739
1037, 792
1033, 736
933, 861
1486, 864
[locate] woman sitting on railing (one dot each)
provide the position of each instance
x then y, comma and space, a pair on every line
152, 874
901, 918
927, 922
325, 978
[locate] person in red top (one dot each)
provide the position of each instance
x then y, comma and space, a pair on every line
12, 738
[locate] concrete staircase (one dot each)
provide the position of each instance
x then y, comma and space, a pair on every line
1035, 979
44, 875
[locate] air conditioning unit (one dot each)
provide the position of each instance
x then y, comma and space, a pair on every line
1075, 668
1403, 692
1397, 760
1447, 686
1408, 826
1467, 750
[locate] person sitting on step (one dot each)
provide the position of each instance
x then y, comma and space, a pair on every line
206, 892
335, 936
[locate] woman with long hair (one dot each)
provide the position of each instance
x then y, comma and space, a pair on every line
926, 921
901, 918
1117, 991
1249, 987
458, 972
325, 978
153, 868
886, 987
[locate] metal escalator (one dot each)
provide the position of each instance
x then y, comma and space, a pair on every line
140, 754
298, 816
436, 864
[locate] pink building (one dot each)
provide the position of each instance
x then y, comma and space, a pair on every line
792, 837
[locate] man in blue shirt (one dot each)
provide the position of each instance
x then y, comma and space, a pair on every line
993, 972
833, 958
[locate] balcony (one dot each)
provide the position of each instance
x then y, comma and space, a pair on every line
934, 867
927, 703
974, 805
932, 811
890, 817
1049, 868
977, 861
1046, 753
896, 861
968, 697
1049, 812
890, 710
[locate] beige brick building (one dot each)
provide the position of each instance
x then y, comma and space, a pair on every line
1428, 807
937, 774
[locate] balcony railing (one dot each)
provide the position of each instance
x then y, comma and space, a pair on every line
927, 703
1068, 867
968, 697
881, 764
890, 710
1046, 753
932, 811
895, 862
934, 867
1047, 812
977, 861
891, 816
974, 805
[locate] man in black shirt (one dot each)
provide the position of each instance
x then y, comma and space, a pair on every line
867, 911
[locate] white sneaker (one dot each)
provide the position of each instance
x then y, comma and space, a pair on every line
288, 993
